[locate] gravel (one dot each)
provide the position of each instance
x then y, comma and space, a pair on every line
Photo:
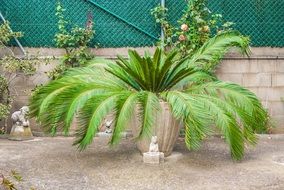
48, 163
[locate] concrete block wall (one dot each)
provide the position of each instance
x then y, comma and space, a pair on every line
262, 73
263, 76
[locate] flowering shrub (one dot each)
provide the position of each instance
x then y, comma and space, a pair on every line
74, 42
195, 27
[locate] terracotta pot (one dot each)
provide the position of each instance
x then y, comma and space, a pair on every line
166, 128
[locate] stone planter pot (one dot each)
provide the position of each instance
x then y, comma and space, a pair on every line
166, 128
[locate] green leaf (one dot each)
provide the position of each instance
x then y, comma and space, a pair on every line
92, 116
124, 113
149, 108
210, 54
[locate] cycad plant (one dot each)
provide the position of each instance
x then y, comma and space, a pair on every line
188, 85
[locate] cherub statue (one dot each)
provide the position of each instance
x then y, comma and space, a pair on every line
20, 117
154, 144
21, 126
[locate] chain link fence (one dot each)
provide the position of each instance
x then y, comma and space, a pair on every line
129, 23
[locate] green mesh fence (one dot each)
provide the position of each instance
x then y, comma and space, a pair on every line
122, 23
262, 20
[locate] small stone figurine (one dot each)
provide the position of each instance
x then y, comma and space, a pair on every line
108, 125
154, 147
21, 125
20, 117
153, 156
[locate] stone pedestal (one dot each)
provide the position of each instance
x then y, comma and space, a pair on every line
153, 157
20, 133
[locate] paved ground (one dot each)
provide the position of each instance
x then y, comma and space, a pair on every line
52, 163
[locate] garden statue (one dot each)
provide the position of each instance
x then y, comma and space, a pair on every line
153, 156
21, 126
20, 117
108, 125
154, 147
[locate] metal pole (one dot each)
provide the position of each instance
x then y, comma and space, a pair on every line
17, 41
163, 4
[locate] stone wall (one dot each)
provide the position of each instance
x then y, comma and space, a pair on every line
263, 73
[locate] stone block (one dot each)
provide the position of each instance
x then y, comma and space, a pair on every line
153, 157
256, 91
280, 65
248, 66
275, 108
266, 51
42, 68
275, 94
278, 80
279, 122
235, 78
262, 65
38, 78
268, 94
234, 66
253, 66
19, 80
257, 80
19, 102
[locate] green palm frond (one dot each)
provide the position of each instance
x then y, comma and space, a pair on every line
191, 112
149, 107
208, 111
92, 115
210, 54
246, 103
135, 87
124, 113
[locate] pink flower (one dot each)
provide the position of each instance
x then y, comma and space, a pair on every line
184, 27
182, 37
206, 28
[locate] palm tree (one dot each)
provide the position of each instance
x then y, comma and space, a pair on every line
188, 85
